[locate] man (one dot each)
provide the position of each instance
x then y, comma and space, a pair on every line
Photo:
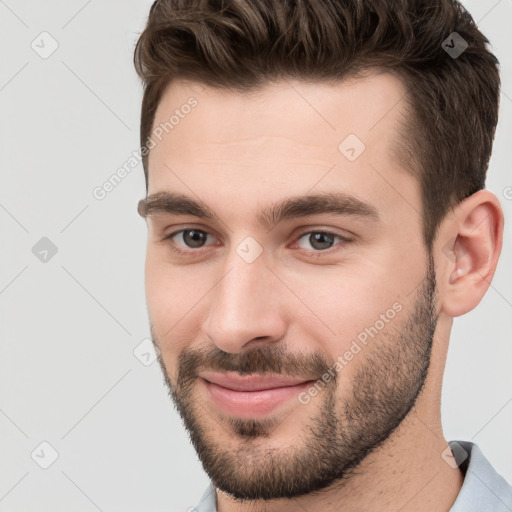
317, 217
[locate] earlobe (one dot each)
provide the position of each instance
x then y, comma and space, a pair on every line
473, 252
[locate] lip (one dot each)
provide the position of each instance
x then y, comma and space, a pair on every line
250, 396
250, 382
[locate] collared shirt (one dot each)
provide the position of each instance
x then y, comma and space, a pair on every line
483, 489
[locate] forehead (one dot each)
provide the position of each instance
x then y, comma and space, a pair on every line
371, 106
288, 136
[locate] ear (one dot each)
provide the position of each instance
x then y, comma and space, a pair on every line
471, 239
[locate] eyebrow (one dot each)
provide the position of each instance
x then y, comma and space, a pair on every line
337, 203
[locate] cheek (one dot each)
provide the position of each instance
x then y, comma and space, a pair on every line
166, 301
159, 296
172, 296
352, 309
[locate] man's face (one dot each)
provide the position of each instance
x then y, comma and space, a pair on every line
344, 319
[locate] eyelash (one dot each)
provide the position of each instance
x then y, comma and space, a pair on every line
317, 253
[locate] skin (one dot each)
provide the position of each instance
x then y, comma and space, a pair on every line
240, 152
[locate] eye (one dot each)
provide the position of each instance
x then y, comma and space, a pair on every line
321, 240
192, 239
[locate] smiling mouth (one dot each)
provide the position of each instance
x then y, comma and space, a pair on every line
250, 396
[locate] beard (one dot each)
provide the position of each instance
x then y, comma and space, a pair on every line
339, 433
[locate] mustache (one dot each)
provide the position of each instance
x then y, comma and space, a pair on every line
261, 360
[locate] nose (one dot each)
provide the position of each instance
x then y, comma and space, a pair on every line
247, 307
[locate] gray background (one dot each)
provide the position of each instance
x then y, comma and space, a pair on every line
69, 325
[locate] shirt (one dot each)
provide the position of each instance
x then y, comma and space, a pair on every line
483, 489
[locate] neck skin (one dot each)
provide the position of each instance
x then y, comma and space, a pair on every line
405, 474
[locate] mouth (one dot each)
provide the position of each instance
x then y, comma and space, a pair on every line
250, 396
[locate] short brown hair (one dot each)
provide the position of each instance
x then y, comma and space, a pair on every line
241, 45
